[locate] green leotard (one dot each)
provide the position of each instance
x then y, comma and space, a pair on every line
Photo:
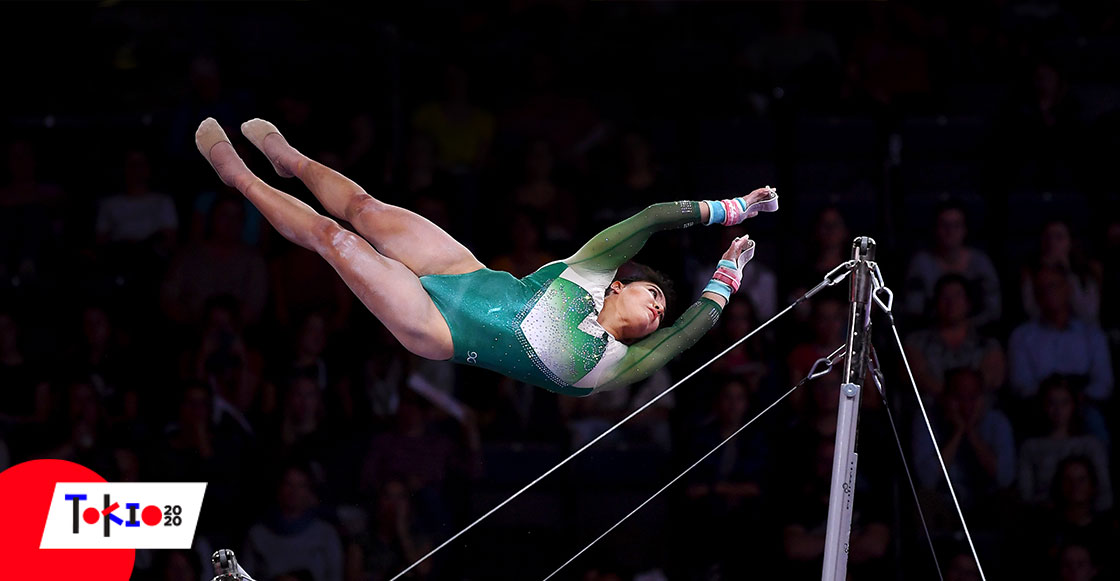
542, 329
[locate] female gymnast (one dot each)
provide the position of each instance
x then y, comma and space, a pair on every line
570, 327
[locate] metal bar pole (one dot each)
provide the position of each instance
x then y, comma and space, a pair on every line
838, 533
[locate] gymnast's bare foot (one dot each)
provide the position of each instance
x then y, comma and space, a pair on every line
216, 148
285, 159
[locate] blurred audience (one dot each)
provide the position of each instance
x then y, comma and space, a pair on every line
1058, 249
950, 254
953, 342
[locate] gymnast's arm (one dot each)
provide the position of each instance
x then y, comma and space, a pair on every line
617, 244
614, 246
661, 346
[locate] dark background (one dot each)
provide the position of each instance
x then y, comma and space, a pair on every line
522, 128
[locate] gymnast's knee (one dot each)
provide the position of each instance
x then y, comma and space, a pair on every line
332, 240
362, 205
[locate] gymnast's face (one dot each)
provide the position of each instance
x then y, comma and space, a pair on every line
640, 306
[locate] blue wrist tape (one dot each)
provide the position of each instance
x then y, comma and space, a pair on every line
719, 288
716, 213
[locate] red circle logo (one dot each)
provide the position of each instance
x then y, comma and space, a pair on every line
27, 488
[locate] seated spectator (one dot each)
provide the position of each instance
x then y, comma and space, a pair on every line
26, 392
292, 537
302, 433
463, 132
961, 566
81, 432
1065, 437
526, 228
1071, 516
558, 215
138, 215
29, 214
393, 541
976, 442
950, 254
176, 565
222, 264
1040, 129
1058, 249
308, 352
750, 359
417, 454
288, 274
953, 342
587, 417
726, 489
1076, 562
194, 448
829, 321
105, 359
229, 364
1057, 342
804, 515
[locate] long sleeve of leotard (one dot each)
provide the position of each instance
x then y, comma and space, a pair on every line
615, 245
661, 346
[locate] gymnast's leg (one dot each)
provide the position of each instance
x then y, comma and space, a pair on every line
394, 231
385, 286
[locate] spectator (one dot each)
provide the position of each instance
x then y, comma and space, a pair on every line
962, 567
751, 359
1040, 129
26, 393
726, 489
830, 247
805, 510
222, 264
463, 132
953, 342
175, 565
526, 227
1076, 563
538, 190
588, 417
104, 358
229, 364
29, 215
421, 457
394, 541
1071, 517
951, 255
138, 215
291, 296
292, 537
1058, 249
194, 448
793, 55
84, 430
1057, 342
976, 442
1065, 437
829, 323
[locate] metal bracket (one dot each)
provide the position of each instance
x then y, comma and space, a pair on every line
226, 567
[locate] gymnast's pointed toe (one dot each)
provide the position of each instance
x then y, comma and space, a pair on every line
209, 134
256, 130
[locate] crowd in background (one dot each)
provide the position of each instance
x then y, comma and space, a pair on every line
153, 326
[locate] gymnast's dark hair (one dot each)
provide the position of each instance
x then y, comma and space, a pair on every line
637, 272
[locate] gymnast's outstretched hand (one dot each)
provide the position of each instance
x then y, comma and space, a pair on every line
733, 211
740, 252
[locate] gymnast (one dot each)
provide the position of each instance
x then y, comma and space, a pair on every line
571, 327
